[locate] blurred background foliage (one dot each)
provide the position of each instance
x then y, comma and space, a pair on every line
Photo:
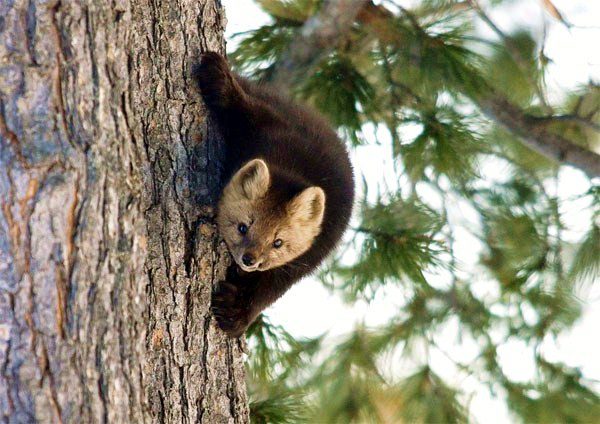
421, 74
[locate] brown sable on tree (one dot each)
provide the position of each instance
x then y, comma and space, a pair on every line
109, 170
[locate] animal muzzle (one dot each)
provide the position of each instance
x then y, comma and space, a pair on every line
248, 262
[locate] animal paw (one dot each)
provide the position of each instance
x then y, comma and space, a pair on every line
230, 308
216, 82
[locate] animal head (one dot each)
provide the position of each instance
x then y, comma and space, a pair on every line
260, 231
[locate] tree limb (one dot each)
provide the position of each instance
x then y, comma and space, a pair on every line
534, 134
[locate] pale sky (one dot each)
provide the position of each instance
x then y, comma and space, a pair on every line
576, 59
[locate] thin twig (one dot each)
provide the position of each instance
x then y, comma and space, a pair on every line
568, 118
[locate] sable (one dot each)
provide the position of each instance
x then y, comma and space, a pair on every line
288, 195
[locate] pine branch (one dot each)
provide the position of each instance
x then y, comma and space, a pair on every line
319, 36
534, 133
531, 131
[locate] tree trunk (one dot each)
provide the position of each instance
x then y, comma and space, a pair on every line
109, 171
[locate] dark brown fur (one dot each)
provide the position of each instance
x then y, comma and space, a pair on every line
301, 150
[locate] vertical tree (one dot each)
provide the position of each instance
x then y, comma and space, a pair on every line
108, 251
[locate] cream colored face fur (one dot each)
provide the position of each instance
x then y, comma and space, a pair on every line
243, 202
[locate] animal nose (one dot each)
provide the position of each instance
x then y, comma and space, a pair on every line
247, 259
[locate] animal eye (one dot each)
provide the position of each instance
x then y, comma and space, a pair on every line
242, 228
277, 243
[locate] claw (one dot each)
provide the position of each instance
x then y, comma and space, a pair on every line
228, 308
214, 78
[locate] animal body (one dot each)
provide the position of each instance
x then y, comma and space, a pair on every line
288, 194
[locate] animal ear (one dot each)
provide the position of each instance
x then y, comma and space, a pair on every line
253, 178
309, 206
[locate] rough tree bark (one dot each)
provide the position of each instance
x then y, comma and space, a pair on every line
108, 172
